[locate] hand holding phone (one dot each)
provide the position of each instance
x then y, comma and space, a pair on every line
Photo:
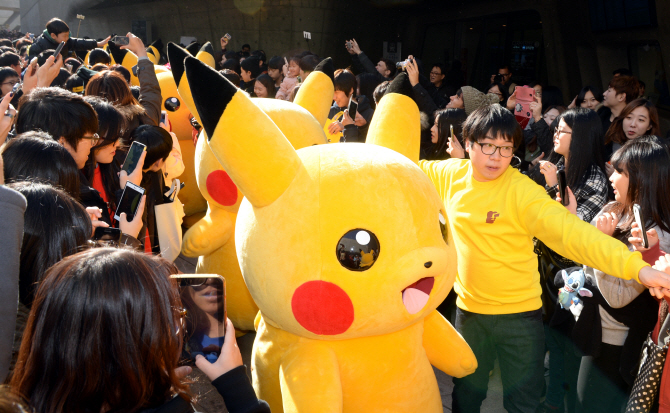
637, 211
130, 202
135, 176
562, 186
524, 97
352, 108
58, 50
133, 226
133, 157
121, 40
107, 234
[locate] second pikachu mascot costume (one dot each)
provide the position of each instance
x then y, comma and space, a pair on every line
212, 238
333, 336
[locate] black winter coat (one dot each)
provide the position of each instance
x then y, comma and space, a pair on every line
45, 42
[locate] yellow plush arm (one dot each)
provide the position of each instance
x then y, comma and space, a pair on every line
208, 234
446, 348
310, 380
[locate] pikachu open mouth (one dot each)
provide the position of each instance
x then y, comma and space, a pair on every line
415, 296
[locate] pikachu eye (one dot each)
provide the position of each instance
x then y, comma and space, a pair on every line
443, 226
172, 104
358, 250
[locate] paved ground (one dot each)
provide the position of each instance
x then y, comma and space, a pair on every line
492, 404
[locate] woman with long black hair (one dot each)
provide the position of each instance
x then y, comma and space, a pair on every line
440, 133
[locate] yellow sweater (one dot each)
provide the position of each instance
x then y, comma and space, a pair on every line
493, 224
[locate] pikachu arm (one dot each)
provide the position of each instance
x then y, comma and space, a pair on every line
446, 348
208, 234
310, 379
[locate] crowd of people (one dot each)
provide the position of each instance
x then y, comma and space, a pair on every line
97, 324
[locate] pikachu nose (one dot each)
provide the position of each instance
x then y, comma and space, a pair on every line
428, 264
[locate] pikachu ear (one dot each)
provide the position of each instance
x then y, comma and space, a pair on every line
316, 93
176, 56
206, 55
397, 123
117, 53
250, 147
192, 48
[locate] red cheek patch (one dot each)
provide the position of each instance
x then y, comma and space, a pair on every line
221, 188
322, 308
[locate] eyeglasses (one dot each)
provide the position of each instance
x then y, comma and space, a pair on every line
504, 74
435, 73
9, 83
94, 139
558, 132
490, 149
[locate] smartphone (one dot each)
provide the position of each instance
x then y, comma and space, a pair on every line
130, 201
562, 185
32, 36
58, 49
227, 36
451, 132
133, 157
353, 107
637, 211
203, 315
121, 40
524, 97
164, 118
108, 234
16, 88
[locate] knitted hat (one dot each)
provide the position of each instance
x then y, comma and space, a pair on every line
474, 99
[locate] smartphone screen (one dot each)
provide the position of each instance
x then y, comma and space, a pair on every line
106, 234
353, 108
203, 298
58, 49
121, 40
637, 211
227, 36
133, 157
130, 201
562, 184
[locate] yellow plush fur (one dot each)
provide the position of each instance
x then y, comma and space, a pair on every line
330, 339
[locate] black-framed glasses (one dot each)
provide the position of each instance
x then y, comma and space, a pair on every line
435, 73
490, 149
94, 139
557, 131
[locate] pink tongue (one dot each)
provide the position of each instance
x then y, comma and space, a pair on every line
416, 295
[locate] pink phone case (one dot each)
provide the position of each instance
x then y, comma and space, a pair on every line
524, 96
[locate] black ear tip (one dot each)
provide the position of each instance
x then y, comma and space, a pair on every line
401, 85
193, 48
158, 44
326, 66
117, 53
176, 56
211, 92
207, 47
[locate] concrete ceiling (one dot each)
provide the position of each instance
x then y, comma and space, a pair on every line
10, 14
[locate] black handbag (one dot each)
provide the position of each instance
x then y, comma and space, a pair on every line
648, 380
549, 264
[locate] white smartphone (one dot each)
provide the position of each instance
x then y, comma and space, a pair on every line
133, 157
130, 201
164, 118
637, 211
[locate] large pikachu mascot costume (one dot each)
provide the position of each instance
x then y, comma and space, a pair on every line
212, 238
336, 334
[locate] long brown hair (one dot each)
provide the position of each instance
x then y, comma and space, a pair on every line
616, 134
113, 87
103, 332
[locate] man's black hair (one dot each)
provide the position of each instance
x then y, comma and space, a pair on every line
232, 64
232, 55
505, 67
96, 56
442, 67
276, 62
247, 46
9, 59
57, 26
252, 64
622, 71
345, 81
43, 56
6, 42
59, 113
232, 76
260, 54
390, 65
309, 62
157, 140
494, 121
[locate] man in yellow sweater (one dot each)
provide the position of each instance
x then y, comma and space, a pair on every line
495, 212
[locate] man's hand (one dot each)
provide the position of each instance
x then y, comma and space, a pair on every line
657, 281
8, 114
136, 176
607, 223
335, 127
104, 42
360, 120
573, 104
636, 238
412, 69
133, 227
135, 45
354, 47
548, 169
346, 119
454, 148
229, 358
